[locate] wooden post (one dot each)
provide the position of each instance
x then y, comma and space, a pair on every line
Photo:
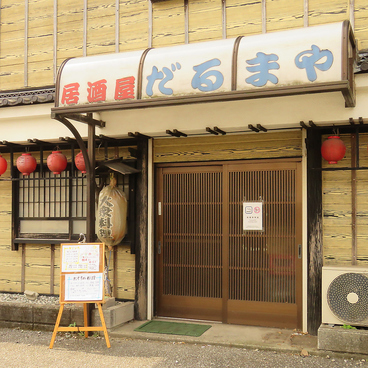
354, 163
142, 231
314, 223
91, 199
56, 328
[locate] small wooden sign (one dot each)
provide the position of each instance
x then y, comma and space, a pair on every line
82, 281
82, 267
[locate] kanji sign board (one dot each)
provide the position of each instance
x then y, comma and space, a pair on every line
307, 56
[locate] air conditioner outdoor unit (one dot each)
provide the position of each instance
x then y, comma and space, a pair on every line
345, 295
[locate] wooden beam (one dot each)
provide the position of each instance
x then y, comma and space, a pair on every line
354, 149
314, 230
141, 274
52, 269
23, 271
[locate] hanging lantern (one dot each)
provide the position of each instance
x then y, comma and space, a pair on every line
3, 165
333, 149
56, 162
79, 162
111, 216
26, 163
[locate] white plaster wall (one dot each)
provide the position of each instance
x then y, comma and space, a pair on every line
19, 123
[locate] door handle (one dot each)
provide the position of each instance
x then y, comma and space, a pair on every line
159, 247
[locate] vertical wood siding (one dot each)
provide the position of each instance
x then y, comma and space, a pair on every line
361, 23
12, 44
204, 22
362, 203
125, 281
284, 14
40, 42
327, 11
70, 31
168, 23
11, 262
133, 25
337, 209
243, 17
101, 27
205, 17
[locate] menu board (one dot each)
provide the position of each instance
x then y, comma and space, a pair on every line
82, 267
80, 258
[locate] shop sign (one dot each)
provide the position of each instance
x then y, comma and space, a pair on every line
307, 56
253, 216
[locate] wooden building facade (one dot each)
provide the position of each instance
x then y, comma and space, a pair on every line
200, 159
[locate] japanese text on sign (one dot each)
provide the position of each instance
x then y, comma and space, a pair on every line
252, 216
80, 258
294, 57
83, 287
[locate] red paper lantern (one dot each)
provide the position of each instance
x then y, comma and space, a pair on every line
333, 149
26, 163
79, 162
3, 165
56, 162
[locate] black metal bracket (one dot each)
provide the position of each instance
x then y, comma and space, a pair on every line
212, 131
87, 118
260, 127
176, 133
138, 135
216, 130
253, 128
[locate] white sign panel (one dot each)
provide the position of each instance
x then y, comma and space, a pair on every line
298, 57
188, 70
83, 287
252, 216
80, 258
101, 78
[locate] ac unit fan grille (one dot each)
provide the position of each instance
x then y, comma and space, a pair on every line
338, 294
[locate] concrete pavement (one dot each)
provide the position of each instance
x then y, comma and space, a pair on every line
231, 335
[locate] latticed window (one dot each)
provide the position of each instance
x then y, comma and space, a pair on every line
51, 206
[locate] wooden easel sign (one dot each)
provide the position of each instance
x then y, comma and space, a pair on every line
82, 281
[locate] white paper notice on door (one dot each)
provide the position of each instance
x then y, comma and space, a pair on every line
253, 216
83, 287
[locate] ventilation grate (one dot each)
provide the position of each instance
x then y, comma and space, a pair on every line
347, 297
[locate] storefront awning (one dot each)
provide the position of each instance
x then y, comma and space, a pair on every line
306, 60
118, 166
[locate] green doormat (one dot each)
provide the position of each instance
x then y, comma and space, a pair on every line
173, 328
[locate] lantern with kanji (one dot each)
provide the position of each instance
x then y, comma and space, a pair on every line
333, 149
56, 162
79, 162
3, 165
111, 214
26, 163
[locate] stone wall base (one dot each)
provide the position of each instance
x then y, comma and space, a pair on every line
337, 338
